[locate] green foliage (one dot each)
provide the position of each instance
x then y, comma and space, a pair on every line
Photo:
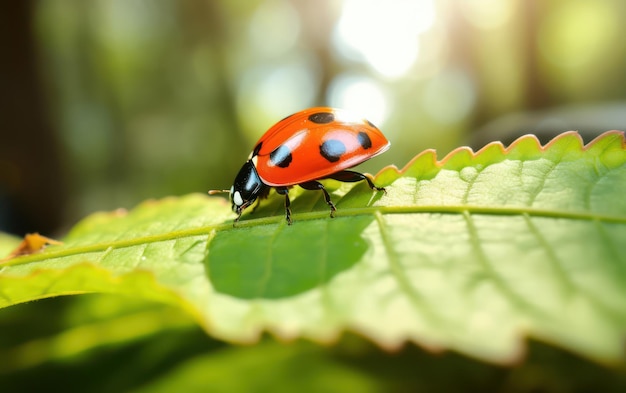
470, 254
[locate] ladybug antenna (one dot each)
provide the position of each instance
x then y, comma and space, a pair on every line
213, 192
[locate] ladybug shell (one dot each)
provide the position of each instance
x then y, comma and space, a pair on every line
313, 144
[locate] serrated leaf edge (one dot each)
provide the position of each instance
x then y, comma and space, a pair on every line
431, 154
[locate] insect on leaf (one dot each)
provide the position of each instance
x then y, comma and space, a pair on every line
472, 253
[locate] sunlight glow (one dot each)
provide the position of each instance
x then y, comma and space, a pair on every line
383, 33
487, 14
565, 44
273, 92
360, 95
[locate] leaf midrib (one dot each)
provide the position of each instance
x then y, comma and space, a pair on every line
320, 214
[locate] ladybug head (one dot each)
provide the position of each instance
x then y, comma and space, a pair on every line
246, 188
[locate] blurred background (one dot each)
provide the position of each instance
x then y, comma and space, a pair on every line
108, 102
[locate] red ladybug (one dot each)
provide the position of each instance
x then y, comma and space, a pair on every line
316, 143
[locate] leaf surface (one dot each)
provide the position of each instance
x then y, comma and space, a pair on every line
471, 253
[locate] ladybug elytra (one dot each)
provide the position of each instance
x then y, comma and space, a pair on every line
314, 144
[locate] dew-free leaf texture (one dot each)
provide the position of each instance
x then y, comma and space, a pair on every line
472, 253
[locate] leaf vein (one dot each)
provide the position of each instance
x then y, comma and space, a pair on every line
499, 283
416, 209
404, 283
542, 182
562, 276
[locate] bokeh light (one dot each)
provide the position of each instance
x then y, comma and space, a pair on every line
360, 94
384, 34
487, 14
577, 33
274, 91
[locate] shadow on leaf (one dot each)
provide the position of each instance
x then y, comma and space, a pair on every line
277, 261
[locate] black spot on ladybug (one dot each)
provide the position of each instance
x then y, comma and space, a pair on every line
257, 149
364, 140
281, 156
322, 117
371, 124
332, 150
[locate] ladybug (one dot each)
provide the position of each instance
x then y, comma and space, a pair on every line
314, 144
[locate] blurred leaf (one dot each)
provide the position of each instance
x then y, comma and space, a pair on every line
471, 253
353, 365
297, 367
88, 336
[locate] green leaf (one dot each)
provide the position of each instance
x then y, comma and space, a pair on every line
300, 367
472, 253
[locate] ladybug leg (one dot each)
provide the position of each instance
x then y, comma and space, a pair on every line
315, 185
284, 191
236, 220
352, 177
255, 206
